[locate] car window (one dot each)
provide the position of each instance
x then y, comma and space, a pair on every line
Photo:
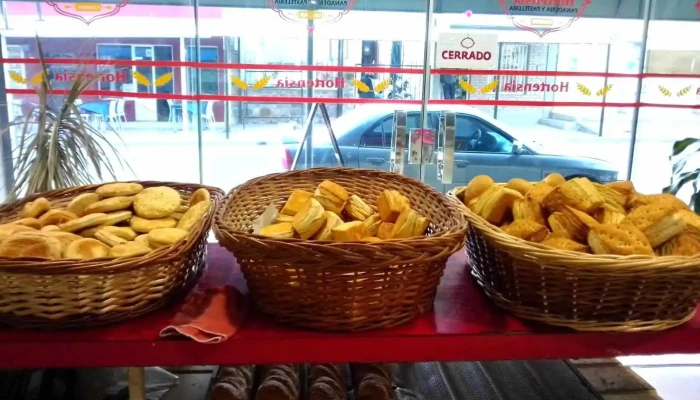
477, 136
379, 133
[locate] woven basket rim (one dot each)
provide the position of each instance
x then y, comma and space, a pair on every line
458, 228
102, 266
523, 249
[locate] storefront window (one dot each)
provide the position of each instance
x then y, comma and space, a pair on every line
223, 92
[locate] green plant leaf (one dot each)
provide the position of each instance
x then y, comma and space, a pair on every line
683, 179
681, 145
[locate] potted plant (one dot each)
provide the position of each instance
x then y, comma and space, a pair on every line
684, 151
56, 147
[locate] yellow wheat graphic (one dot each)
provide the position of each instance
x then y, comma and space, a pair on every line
361, 86
260, 84
36, 79
605, 90
684, 91
467, 87
17, 77
239, 83
490, 87
382, 86
140, 78
164, 79
583, 89
664, 91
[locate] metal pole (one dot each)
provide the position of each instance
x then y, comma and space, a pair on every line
5, 138
341, 61
307, 134
498, 88
605, 85
642, 61
309, 149
198, 80
426, 72
227, 104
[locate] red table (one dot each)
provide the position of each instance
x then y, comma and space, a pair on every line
463, 326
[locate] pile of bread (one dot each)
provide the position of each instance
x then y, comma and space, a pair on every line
119, 219
579, 215
331, 213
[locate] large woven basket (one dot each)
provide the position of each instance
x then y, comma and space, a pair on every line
42, 294
585, 292
340, 286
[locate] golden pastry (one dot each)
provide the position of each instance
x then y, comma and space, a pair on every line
540, 191
78, 205
390, 204
284, 218
384, 231
296, 202
326, 232
30, 222
123, 232
84, 222
118, 189
143, 225
109, 205
35, 208
692, 222
65, 238
8, 230
165, 237
200, 195
624, 188
657, 220
56, 217
578, 193
114, 218
194, 215
309, 219
331, 196
371, 239
86, 248
50, 228
349, 231
528, 230
677, 204
108, 238
129, 249
565, 244
528, 208
495, 203
357, 209
554, 179
623, 239
372, 223
681, 245
476, 187
283, 230
156, 202
614, 200
609, 214
405, 225
34, 245
142, 240
520, 185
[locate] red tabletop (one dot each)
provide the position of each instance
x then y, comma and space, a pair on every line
463, 326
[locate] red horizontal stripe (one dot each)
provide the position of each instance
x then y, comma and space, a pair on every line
328, 68
306, 100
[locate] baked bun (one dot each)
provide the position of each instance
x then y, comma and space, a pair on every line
165, 237
30, 222
78, 205
129, 249
118, 189
114, 218
200, 195
10, 229
84, 222
56, 217
194, 215
35, 208
156, 202
65, 238
86, 248
109, 205
31, 245
143, 225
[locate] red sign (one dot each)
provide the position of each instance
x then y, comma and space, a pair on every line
87, 12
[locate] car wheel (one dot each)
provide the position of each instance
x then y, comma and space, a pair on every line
590, 178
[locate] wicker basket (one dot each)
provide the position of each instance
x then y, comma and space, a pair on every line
585, 292
340, 286
41, 294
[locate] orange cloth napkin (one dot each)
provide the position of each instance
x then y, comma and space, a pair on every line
209, 315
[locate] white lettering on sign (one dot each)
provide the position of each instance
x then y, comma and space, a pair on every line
466, 51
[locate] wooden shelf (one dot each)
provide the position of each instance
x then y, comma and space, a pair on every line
463, 326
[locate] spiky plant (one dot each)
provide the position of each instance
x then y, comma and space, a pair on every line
56, 148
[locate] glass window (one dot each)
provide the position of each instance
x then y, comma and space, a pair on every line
379, 135
209, 78
477, 136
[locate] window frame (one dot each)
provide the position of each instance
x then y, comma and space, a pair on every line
112, 85
509, 48
191, 78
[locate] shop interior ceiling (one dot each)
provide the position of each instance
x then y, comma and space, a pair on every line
679, 10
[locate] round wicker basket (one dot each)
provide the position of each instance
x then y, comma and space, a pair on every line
340, 286
58, 294
585, 292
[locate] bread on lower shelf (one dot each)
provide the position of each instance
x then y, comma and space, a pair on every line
279, 382
372, 382
234, 383
327, 382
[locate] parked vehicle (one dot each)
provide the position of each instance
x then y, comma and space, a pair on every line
483, 145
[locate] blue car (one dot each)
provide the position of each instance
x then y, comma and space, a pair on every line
483, 146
